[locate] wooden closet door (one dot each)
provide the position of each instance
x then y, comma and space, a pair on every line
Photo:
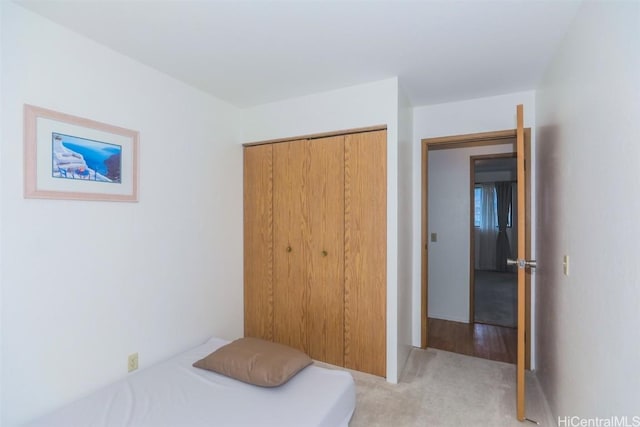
258, 242
290, 243
365, 261
325, 304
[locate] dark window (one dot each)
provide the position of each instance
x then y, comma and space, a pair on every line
477, 207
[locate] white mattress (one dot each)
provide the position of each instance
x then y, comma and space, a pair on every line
173, 393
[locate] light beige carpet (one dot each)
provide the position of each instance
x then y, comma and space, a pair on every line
439, 388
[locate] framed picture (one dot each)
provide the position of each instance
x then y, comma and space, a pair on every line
68, 157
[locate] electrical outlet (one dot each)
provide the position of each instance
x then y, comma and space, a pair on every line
132, 362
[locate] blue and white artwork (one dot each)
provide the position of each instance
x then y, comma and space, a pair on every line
85, 159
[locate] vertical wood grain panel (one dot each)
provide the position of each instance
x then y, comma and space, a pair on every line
365, 252
258, 242
325, 321
291, 252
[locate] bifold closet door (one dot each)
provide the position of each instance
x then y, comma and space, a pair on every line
308, 203
365, 252
325, 195
258, 242
290, 243
315, 247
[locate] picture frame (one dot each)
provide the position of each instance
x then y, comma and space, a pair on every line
74, 158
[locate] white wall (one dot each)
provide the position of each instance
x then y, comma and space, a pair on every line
86, 283
405, 231
353, 107
449, 217
1, 210
588, 110
471, 116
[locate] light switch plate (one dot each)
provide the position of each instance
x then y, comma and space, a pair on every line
132, 362
565, 265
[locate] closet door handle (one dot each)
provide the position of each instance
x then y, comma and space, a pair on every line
325, 253
289, 249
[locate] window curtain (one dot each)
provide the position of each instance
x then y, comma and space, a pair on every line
503, 200
486, 255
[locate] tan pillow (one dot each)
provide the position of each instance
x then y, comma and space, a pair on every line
256, 361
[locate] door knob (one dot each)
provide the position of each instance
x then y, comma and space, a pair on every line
521, 263
289, 249
325, 253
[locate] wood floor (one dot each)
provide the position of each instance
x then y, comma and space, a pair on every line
474, 339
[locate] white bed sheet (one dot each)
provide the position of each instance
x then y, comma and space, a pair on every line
175, 394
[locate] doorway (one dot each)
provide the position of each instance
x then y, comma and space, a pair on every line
434, 329
493, 238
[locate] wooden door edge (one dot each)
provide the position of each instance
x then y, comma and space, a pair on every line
424, 250
520, 368
472, 241
527, 152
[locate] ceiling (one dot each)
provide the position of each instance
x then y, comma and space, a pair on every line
258, 51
